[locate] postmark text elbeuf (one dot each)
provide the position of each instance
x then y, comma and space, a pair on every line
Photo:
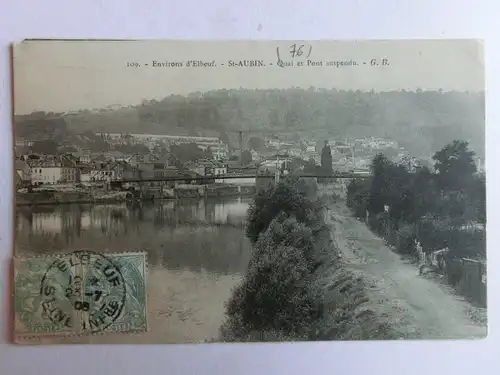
80, 293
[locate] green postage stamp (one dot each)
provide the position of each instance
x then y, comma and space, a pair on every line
80, 293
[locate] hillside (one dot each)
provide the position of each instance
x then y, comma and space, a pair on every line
422, 121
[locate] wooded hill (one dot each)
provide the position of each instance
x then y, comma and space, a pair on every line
422, 121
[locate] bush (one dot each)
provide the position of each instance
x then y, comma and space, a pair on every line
379, 223
289, 197
433, 232
288, 232
467, 243
405, 240
358, 192
285, 296
276, 293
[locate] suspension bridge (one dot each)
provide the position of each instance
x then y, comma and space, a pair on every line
343, 175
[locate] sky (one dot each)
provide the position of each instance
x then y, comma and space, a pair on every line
62, 76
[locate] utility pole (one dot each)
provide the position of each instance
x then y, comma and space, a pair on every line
353, 156
278, 155
240, 134
277, 176
241, 141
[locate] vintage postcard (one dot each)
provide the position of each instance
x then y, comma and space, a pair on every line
236, 191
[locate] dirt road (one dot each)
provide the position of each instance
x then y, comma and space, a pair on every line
430, 309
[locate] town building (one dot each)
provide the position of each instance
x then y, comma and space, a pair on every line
311, 149
23, 173
152, 139
410, 162
53, 170
220, 152
86, 158
220, 169
85, 174
156, 170
83, 156
106, 172
23, 143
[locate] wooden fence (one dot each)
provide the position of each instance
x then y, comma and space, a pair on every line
468, 276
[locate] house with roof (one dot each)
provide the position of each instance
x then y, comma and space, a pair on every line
105, 171
84, 171
83, 156
155, 170
219, 169
51, 169
23, 173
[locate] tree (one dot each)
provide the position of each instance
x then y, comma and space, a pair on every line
292, 117
455, 166
290, 197
98, 146
246, 157
451, 114
39, 125
47, 146
478, 193
128, 148
326, 160
357, 197
277, 293
391, 186
311, 168
187, 152
68, 149
400, 195
256, 143
390, 153
425, 193
379, 190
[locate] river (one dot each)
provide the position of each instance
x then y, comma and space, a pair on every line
197, 252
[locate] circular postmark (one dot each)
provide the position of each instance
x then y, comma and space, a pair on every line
83, 291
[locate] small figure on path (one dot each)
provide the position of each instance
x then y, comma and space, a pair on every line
421, 257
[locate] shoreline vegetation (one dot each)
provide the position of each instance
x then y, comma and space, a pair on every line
297, 287
439, 215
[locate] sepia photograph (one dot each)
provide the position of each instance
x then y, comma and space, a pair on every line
171, 192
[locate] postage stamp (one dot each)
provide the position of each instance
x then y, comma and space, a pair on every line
80, 293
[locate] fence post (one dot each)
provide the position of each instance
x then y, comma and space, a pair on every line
483, 285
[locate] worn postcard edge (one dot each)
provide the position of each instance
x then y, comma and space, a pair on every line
30, 339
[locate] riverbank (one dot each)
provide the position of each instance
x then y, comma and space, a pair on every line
418, 306
297, 286
56, 198
100, 197
330, 278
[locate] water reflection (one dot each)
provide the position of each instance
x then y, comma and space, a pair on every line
189, 234
197, 252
